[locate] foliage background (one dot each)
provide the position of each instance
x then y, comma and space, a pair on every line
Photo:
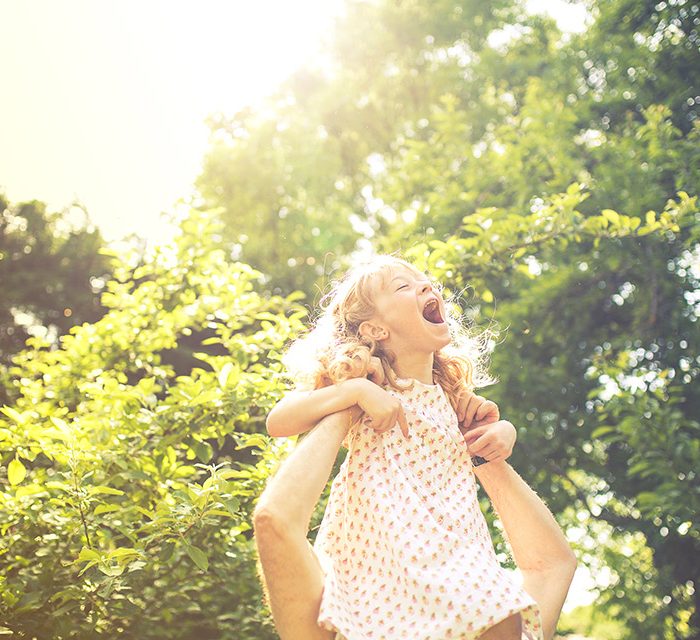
549, 179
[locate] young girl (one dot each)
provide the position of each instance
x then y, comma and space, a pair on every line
403, 545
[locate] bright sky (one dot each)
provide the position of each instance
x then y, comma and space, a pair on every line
105, 102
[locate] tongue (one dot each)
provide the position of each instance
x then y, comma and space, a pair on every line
432, 315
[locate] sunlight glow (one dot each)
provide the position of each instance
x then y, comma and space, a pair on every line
105, 103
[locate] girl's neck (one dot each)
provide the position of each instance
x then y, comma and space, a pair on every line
418, 367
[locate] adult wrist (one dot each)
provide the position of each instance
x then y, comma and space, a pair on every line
491, 469
338, 422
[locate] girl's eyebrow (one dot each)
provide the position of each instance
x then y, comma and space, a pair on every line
405, 278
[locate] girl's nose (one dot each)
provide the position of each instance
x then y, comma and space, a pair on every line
426, 287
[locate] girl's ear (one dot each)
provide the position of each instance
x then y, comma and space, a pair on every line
374, 331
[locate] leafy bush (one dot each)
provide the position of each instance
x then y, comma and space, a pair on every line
125, 504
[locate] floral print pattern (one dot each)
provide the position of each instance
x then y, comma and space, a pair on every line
403, 543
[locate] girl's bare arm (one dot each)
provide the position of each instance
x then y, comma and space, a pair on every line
291, 571
299, 411
540, 549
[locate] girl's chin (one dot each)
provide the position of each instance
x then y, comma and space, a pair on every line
446, 342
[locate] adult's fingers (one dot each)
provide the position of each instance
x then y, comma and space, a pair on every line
481, 444
490, 453
473, 434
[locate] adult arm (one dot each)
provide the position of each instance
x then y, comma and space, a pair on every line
291, 572
539, 547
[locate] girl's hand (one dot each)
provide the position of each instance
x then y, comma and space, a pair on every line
474, 411
382, 410
375, 371
493, 442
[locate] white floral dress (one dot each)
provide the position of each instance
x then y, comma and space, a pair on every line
403, 544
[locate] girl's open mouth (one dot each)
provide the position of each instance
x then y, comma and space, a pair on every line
431, 312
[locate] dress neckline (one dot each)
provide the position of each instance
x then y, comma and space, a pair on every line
417, 382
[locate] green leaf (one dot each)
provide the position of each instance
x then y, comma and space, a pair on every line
612, 216
110, 570
203, 451
29, 490
198, 556
217, 512
637, 468
123, 552
88, 554
18, 417
232, 504
252, 440
224, 374
149, 514
16, 471
106, 508
601, 431
60, 423
101, 489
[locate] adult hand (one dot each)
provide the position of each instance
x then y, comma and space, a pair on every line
493, 442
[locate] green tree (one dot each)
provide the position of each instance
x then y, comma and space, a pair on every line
51, 273
597, 368
290, 174
126, 489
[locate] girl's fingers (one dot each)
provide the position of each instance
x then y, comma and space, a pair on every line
460, 410
375, 371
487, 408
390, 421
462, 403
381, 427
403, 423
474, 404
386, 424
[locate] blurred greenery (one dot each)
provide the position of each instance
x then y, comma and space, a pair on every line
51, 273
549, 180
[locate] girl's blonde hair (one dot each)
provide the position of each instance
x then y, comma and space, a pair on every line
333, 349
